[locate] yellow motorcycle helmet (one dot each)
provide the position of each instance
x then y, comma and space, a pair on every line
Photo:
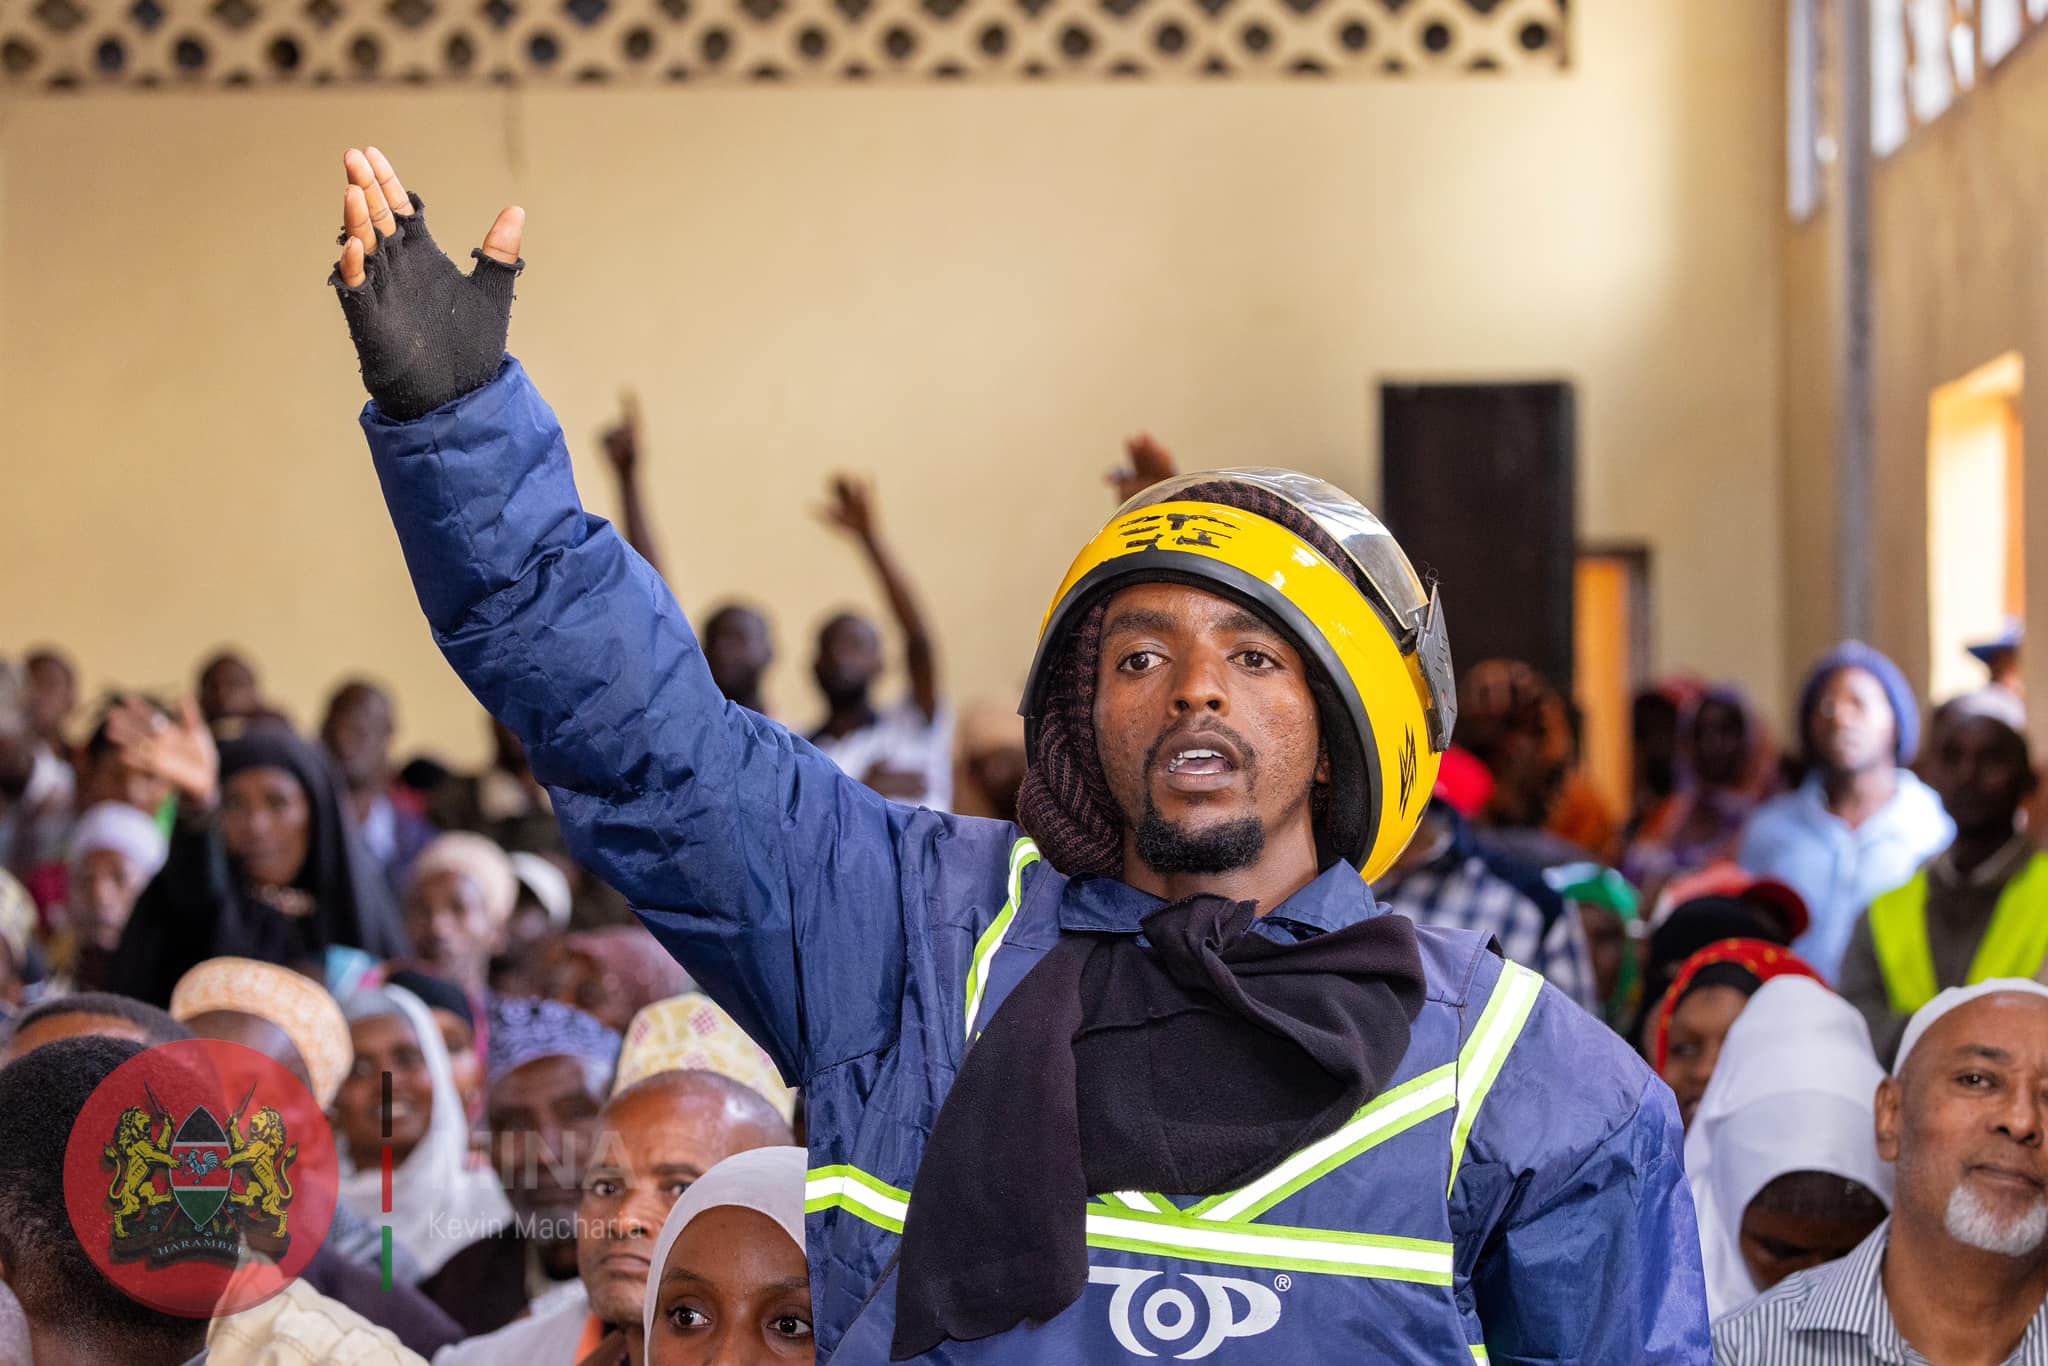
1363, 617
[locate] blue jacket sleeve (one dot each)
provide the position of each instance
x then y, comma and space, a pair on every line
1576, 1197
745, 851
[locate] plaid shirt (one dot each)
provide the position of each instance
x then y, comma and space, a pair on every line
1837, 1315
1459, 889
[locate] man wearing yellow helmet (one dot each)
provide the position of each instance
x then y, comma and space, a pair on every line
1157, 1079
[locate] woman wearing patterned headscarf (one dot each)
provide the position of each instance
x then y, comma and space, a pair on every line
1711, 989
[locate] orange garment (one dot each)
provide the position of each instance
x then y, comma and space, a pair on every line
1582, 817
599, 1347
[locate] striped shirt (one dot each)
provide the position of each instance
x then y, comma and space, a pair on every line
1837, 1315
1461, 890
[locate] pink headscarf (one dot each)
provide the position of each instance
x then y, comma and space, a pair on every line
624, 969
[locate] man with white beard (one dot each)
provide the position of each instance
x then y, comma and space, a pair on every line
1959, 1274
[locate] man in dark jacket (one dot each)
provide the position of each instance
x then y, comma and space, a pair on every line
1288, 1126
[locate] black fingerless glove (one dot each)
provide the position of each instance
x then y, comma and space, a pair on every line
426, 334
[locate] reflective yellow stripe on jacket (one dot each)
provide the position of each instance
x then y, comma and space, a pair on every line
1228, 1229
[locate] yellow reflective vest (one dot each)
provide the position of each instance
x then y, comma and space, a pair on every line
2015, 945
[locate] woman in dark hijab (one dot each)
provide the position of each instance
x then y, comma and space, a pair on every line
263, 863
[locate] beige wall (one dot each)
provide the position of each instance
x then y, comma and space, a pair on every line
1959, 278
972, 293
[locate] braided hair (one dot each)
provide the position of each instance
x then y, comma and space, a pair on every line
1066, 804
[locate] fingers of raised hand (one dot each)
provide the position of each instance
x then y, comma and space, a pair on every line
362, 176
355, 219
1147, 454
132, 721
501, 243
352, 264
142, 735
387, 181
833, 510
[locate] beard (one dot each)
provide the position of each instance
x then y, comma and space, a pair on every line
1166, 847
1974, 1223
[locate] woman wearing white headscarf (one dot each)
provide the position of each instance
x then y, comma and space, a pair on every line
441, 1201
1782, 1154
728, 1280
115, 850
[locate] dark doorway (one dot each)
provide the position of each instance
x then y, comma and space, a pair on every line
1477, 486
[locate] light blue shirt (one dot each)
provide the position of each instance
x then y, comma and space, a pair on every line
1796, 839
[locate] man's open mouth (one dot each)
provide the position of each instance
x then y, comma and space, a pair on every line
1199, 760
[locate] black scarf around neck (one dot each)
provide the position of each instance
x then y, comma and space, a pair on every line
1188, 1067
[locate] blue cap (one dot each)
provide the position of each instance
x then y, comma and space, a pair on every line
2009, 637
1854, 654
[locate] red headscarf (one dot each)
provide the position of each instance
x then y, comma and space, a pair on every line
1464, 783
1759, 958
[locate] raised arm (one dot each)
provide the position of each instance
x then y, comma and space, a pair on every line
852, 510
622, 449
708, 818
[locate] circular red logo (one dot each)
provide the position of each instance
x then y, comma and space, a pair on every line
201, 1177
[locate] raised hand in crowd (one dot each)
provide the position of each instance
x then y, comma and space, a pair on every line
622, 452
178, 750
1150, 462
622, 438
426, 333
852, 510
